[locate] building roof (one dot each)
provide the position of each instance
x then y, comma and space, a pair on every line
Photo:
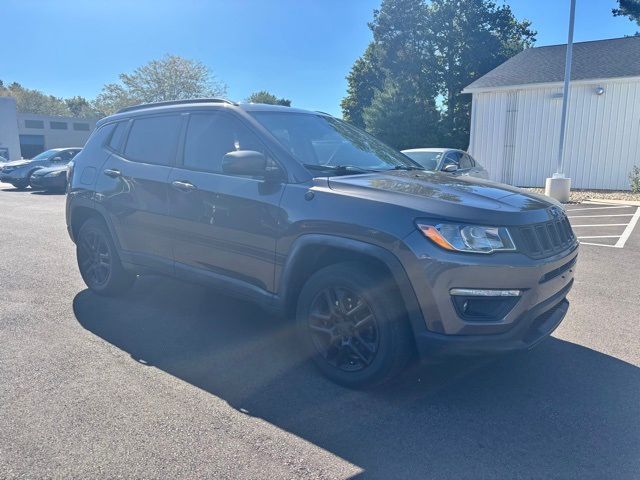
599, 59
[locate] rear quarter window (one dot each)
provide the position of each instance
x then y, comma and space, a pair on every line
153, 139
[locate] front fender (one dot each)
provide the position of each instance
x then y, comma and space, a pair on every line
289, 287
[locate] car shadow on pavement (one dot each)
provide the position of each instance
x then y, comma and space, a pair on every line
559, 411
47, 193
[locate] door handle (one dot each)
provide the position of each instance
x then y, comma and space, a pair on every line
184, 186
112, 172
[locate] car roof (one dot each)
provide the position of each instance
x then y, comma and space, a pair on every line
213, 103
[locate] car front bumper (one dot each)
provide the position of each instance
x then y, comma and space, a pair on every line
13, 177
530, 329
523, 322
49, 183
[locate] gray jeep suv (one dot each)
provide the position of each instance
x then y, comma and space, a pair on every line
372, 257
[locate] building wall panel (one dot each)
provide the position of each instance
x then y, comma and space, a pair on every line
602, 137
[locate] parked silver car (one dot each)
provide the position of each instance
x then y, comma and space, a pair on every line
448, 160
19, 172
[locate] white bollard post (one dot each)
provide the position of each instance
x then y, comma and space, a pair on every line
558, 187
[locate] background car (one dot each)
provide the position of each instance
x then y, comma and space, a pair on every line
18, 173
51, 179
448, 160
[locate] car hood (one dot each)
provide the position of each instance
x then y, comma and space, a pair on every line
15, 163
43, 171
438, 195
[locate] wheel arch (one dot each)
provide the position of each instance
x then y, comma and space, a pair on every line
311, 252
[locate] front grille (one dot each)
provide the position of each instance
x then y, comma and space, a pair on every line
546, 239
558, 271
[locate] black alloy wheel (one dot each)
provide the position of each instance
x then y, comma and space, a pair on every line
343, 329
99, 262
94, 258
353, 325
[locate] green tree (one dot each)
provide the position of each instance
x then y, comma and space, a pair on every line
426, 53
81, 107
399, 55
471, 37
628, 8
34, 101
267, 98
363, 80
170, 78
399, 116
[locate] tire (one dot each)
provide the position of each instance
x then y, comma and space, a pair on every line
353, 325
99, 262
21, 185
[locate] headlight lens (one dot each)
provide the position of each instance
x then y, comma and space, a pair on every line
57, 173
468, 238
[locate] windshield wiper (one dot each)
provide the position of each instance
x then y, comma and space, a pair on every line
406, 167
339, 169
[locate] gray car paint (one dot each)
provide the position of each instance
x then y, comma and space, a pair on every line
275, 229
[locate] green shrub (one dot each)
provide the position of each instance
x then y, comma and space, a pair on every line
634, 179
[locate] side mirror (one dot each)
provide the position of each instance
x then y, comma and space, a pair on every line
450, 168
245, 162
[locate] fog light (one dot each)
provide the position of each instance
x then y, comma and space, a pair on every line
475, 292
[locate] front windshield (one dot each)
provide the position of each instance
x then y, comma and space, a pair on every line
429, 160
321, 142
44, 155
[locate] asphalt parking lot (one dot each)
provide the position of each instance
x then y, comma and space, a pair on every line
603, 224
174, 381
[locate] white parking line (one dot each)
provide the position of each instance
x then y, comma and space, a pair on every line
627, 231
602, 216
602, 225
597, 208
621, 239
598, 244
599, 236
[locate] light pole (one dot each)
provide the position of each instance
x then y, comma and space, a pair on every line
558, 186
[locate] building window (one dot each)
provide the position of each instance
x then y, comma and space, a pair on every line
81, 126
58, 125
33, 124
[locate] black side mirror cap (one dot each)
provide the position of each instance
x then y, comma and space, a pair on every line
245, 162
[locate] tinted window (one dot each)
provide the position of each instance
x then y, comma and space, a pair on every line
34, 124
153, 139
58, 125
211, 136
453, 158
466, 162
66, 155
429, 160
116, 138
321, 142
99, 137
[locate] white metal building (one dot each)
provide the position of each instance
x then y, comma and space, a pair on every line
27, 134
517, 106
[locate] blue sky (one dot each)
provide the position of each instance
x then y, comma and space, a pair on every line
299, 49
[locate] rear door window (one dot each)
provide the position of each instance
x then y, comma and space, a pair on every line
466, 162
153, 139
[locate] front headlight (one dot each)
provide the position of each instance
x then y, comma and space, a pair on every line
56, 173
468, 238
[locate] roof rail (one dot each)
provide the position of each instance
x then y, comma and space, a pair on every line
175, 102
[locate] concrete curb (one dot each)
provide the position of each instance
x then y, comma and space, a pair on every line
613, 202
